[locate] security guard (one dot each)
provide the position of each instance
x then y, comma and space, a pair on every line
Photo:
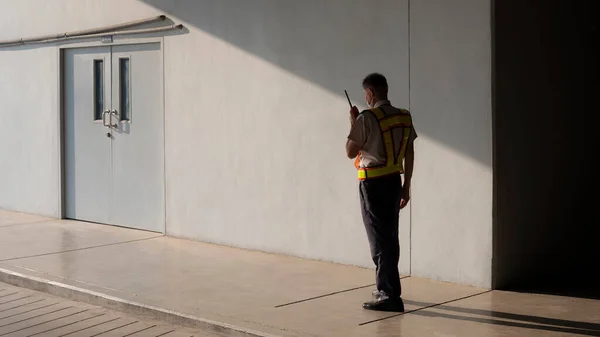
381, 139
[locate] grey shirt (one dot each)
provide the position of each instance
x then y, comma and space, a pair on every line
367, 135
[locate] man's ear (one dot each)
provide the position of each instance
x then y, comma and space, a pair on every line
368, 94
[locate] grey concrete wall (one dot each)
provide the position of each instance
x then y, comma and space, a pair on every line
256, 121
451, 98
28, 129
546, 80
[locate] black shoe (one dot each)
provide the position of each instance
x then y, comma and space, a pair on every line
385, 304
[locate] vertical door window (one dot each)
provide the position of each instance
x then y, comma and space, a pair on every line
98, 89
125, 87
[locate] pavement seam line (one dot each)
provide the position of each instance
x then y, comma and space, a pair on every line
22, 305
28, 311
165, 333
426, 307
91, 326
80, 249
27, 223
6, 295
321, 296
329, 294
66, 325
144, 329
16, 299
40, 315
113, 329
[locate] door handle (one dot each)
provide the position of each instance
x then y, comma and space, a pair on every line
104, 113
116, 115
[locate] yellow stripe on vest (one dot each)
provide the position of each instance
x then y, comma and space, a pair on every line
394, 122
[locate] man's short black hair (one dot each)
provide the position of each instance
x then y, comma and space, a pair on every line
377, 83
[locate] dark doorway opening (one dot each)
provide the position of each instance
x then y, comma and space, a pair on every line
546, 204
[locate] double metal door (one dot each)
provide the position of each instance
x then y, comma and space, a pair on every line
113, 135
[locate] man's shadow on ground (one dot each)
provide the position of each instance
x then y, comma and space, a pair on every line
499, 318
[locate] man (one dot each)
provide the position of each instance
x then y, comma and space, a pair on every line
381, 139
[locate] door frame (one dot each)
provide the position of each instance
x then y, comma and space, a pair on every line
60, 120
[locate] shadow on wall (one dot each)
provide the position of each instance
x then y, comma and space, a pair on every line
332, 44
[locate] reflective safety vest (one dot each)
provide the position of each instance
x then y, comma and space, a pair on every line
394, 162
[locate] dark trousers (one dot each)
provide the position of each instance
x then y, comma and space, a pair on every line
380, 203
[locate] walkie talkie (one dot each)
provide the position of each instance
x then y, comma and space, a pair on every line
348, 98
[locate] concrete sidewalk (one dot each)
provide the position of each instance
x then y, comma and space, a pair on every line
240, 293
